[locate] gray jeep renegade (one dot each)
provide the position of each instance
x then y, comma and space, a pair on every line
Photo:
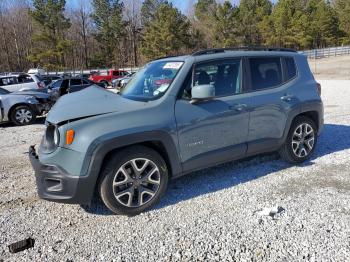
177, 115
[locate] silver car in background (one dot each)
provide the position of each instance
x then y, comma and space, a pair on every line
119, 83
22, 108
21, 81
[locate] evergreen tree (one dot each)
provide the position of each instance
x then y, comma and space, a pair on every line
108, 19
226, 25
49, 42
166, 34
342, 8
252, 14
322, 24
205, 17
149, 8
288, 20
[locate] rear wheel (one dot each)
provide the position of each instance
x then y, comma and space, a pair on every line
22, 115
104, 83
133, 180
301, 140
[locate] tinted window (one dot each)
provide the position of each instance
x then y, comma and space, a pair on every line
223, 75
56, 84
265, 72
8, 81
116, 73
291, 70
86, 82
25, 79
75, 82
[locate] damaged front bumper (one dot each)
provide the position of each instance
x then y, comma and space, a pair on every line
55, 184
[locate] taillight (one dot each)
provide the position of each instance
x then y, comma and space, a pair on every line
318, 86
41, 85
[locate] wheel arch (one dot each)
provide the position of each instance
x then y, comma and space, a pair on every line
103, 148
17, 105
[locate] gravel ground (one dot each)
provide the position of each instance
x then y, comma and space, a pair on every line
331, 67
214, 214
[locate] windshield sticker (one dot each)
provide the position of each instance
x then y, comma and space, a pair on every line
173, 65
161, 89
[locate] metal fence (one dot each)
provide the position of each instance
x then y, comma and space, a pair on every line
327, 52
90, 71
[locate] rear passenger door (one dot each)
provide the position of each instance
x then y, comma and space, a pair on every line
26, 82
75, 85
271, 100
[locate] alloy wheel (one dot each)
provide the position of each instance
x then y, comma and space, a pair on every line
23, 115
303, 140
136, 182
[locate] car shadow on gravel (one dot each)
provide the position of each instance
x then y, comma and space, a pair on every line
334, 138
38, 121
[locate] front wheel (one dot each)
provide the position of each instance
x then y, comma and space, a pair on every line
300, 142
22, 115
133, 180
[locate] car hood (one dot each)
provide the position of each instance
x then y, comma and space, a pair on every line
31, 93
91, 101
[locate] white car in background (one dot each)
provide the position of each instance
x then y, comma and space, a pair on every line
21, 82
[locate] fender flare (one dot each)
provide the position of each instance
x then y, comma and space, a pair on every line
314, 106
100, 147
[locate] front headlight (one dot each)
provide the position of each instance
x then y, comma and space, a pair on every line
51, 139
56, 136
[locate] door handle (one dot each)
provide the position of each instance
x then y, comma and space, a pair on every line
238, 107
287, 98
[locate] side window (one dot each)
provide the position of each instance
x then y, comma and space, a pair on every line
9, 81
265, 72
75, 82
85, 82
116, 73
57, 84
224, 75
291, 70
25, 79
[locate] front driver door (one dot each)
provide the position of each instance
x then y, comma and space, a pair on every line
215, 130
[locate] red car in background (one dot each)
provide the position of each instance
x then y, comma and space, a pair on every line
106, 79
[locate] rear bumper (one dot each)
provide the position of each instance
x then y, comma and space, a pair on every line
55, 184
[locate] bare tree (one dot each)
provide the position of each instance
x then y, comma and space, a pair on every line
132, 15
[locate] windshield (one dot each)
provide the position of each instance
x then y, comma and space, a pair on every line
152, 81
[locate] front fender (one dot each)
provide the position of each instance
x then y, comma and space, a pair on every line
101, 146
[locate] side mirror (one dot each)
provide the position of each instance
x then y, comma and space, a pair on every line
202, 92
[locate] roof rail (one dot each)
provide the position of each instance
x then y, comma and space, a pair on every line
243, 48
168, 56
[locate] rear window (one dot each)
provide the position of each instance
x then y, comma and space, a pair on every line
265, 72
291, 70
75, 82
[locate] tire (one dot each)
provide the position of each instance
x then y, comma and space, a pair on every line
125, 195
22, 115
105, 84
299, 145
